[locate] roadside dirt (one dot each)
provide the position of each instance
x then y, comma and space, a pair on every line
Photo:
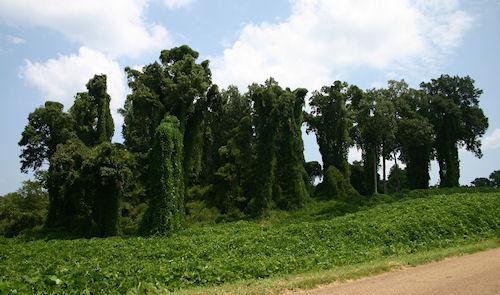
477, 273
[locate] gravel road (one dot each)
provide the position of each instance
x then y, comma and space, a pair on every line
477, 273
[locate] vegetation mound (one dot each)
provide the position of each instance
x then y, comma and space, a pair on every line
228, 252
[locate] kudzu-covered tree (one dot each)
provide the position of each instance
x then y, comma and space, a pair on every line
85, 185
279, 169
458, 121
228, 150
93, 122
331, 120
291, 190
177, 86
415, 134
86, 174
165, 181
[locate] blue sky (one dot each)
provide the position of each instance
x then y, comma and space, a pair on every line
49, 49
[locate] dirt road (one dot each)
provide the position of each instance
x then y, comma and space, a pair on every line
471, 274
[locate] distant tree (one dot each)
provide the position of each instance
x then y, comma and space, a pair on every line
375, 127
48, 126
415, 134
482, 182
495, 178
357, 178
397, 179
166, 184
331, 120
458, 120
386, 122
314, 171
23, 209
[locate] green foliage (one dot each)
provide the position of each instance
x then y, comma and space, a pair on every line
93, 123
332, 120
23, 209
458, 121
279, 168
166, 183
228, 151
97, 91
398, 179
85, 186
414, 135
48, 126
370, 131
213, 255
314, 170
178, 86
495, 178
482, 182
334, 185
357, 178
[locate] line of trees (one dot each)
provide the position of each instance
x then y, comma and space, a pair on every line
185, 140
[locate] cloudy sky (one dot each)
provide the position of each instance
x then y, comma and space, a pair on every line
50, 48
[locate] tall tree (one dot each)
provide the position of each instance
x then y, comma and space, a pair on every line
178, 86
291, 190
331, 120
367, 136
97, 91
458, 120
91, 113
85, 185
414, 134
279, 168
228, 150
387, 128
166, 185
48, 126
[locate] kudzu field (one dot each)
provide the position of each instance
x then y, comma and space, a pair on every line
206, 255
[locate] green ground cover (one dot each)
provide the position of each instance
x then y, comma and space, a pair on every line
311, 239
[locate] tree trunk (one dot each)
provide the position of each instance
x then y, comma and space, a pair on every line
384, 175
398, 182
375, 171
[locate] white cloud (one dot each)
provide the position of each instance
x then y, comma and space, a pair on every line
175, 4
323, 40
492, 141
61, 78
116, 27
15, 40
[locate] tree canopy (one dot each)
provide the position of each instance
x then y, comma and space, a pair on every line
238, 153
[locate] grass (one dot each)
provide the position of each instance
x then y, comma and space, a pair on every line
313, 240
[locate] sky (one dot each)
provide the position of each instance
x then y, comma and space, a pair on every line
49, 50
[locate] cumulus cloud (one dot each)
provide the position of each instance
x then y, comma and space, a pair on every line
15, 40
116, 27
175, 4
492, 141
323, 40
61, 78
